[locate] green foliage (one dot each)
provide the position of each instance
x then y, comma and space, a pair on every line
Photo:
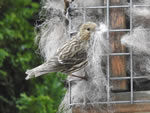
3, 55
17, 53
45, 98
40, 104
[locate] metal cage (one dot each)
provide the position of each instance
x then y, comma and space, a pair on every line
131, 78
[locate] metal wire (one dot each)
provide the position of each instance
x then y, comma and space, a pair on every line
128, 78
103, 7
69, 92
116, 30
84, 15
70, 25
108, 63
118, 6
130, 54
113, 102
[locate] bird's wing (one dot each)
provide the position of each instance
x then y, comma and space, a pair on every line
72, 53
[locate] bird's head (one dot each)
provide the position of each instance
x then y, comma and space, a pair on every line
86, 30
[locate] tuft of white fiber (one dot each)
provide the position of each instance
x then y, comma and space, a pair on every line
52, 32
139, 40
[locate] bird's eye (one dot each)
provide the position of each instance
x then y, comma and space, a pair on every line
88, 29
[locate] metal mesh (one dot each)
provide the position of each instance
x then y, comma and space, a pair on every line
130, 54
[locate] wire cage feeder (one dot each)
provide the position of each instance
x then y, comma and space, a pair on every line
129, 94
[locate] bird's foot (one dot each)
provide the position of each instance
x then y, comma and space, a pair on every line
81, 77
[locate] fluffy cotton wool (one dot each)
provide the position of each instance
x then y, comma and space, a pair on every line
52, 32
139, 39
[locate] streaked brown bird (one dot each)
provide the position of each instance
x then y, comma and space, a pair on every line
71, 57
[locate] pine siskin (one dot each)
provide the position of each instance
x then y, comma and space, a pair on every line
69, 58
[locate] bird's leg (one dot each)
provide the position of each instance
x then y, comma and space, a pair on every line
79, 77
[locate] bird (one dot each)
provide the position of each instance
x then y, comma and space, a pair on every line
69, 58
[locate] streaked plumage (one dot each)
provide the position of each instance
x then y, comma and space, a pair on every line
69, 58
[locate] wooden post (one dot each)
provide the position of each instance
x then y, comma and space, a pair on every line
90, 110
118, 63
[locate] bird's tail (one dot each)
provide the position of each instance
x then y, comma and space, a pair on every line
38, 71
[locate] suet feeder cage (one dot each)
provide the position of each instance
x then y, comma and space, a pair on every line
123, 95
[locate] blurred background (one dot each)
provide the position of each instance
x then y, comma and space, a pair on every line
18, 53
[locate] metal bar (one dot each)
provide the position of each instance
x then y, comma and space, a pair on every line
71, 109
70, 23
84, 15
142, 101
118, 54
128, 78
114, 102
103, 7
131, 54
141, 5
108, 63
131, 78
110, 102
70, 93
117, 30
